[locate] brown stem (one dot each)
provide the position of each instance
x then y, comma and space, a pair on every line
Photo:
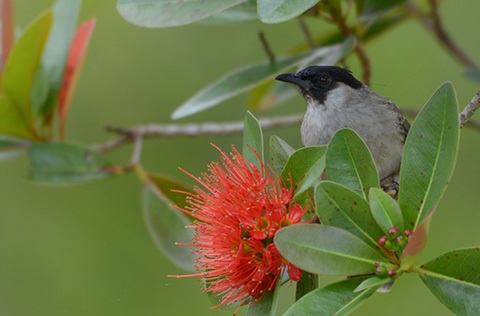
267, 48
306, 32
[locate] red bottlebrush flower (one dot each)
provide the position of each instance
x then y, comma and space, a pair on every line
237, 212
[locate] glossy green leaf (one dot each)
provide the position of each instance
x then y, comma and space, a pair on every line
416, 243
305, 167
252, 139
13, 122
163, 13
276, 11
385, 210
454, 278
267, 306
279, 153
335, 299
48, 78
372, 282
165, 223
371, 9
341, 207
326, 249
349, 162
61, 163
308, 283
244, 12
429, 156
245, 79
473, 74
19, 72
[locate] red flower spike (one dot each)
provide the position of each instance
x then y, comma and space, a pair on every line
237, 212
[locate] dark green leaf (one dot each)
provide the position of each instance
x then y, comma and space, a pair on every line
60, 164
307, 283
161, 13
23, 63
49, 76
335, 299
385, 210
276, 11
279, 153
341, 207
165, 223
429, 156
454, 278
267, 306
372, 282
349, 162
305, 167
372, 9
325, 249
417, 243
252, 139
473, 74
247, 78
13, 122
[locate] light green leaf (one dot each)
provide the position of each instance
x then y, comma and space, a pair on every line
245, 79
13, 122
252, 139
325, 249
12, 147
267, 306
61, 164
305, 167
244, 12
23, 63
279, 153
341, 207
335, 299
162, 13
429, 156
165, 223
385, 210
49, 76
372, 282
454, 278
349, 162
276, 11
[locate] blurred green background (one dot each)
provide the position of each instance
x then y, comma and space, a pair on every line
85, 250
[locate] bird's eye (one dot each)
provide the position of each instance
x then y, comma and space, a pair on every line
324, 80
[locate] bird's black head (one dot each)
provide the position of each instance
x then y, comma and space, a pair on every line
317, 81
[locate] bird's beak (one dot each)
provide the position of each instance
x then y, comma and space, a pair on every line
292, 78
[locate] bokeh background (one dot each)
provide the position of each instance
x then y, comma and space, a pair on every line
85, 250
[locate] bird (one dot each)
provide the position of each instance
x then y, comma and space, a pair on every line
337, 100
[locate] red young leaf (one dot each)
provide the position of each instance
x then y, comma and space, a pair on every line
72, 70
8, 36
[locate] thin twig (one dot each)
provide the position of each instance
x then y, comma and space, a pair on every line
306, 32
433, 23
267, 48
468, 111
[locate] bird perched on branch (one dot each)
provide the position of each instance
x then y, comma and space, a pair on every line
336, 100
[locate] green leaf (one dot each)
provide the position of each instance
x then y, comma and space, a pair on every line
60, 164
341, 207
349, 162
279, 153
49, 76
325, 249
245, 79
372, 282
12, 147
335, 299
12, 121
454, 278
23, 63
267, 306
473, 74
244, 12
276, 11
307, 283
269, 94
416, 243
371, 9
305, 167
252, 139
429, 156
165, 223
161, 13
385, 210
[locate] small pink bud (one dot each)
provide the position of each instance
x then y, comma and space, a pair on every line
408, 233
393, 230
382, 240
399, 239
391, 273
